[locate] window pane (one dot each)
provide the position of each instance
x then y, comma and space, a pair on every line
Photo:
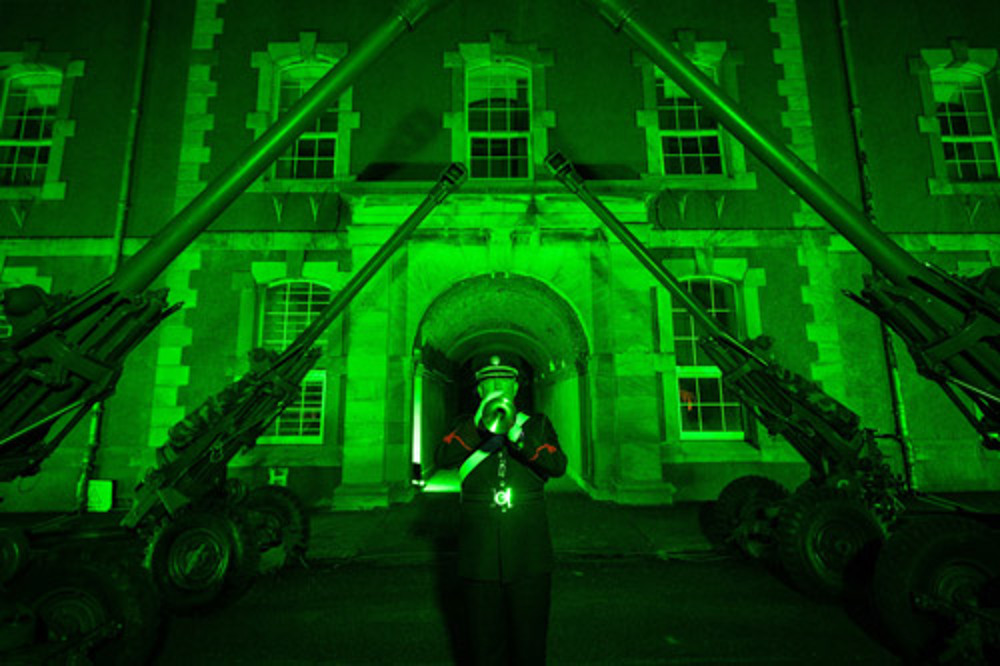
686, 119
519, 121
479, 168
499, 169
324, 169
300, 161
708, 391
477, 120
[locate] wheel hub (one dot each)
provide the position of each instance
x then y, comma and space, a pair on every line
198, 559
959, 581
70, 611
835, 543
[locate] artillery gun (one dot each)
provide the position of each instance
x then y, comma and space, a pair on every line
951, 328
66, 353
185, 505
847, 469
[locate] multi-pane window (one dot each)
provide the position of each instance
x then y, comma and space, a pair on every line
966, 122
313, 154
498, 108
689, 136
288, 307
27, 114
707, 410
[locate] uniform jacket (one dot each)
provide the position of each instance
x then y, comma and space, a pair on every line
496, 545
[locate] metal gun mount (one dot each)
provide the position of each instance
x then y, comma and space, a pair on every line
192, 465
66, 355
950, 326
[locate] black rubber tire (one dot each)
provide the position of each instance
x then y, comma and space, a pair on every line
280, 523
929, 554
71, 594
827, 542
742, 499
224, 536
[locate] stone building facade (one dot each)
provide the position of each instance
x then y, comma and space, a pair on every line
143, 104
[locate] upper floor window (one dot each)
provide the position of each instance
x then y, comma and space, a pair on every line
967, 124
312, 154
707, 410
287, 308
689, 136
960, 94
499, 124
320, 156
29, 105
683, 141
499, 121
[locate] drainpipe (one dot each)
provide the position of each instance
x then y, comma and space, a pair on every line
89, 464
867, 199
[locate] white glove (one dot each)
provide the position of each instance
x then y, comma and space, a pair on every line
516, 433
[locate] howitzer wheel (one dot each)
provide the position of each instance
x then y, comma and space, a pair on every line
827, 541
939, 558
71, 596
280, 525
203, 559
740, 516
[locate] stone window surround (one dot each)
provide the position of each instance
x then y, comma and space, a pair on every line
497, 50
268, 64
748, 281
699, 371
985, 62
724, 61
62, 128
251, 285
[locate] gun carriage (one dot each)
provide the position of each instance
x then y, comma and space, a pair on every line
936, 578
72, 587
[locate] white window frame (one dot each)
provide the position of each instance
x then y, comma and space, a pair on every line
980, 62
312, 135
499, 52
505, 65
269, 64
25, 63
962, 78
316, 376
720, 62
707, 371
680, 134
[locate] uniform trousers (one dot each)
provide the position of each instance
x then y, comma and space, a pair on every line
508, 623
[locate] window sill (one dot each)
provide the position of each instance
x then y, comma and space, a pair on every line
545, 185
289, 441
46, 192
943, 187
302, 185
740, 181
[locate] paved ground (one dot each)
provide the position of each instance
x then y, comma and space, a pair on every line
612, 612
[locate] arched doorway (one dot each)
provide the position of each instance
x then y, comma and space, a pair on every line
521, 315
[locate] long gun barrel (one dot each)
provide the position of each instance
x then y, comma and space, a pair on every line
67, 353
822, 430
950, 326
140, 270
194, 461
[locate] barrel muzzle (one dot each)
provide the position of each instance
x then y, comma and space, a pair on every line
615, 12
411, 11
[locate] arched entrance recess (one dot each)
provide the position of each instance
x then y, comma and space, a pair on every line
518, 314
